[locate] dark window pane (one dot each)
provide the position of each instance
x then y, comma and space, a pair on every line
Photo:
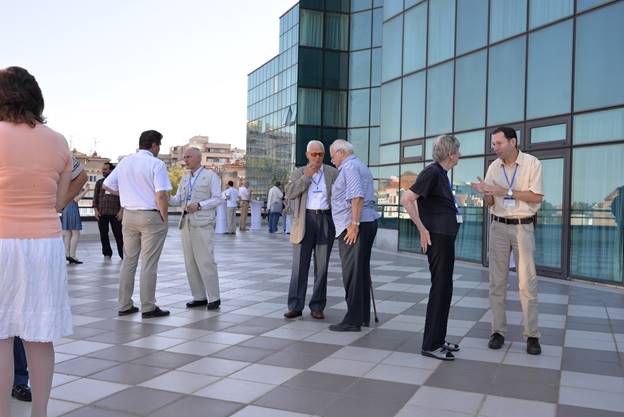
471, 24
335, 108
311, 29
310, 67
337, 6
304, 135
312, 4
309, 106
336, 70
337, 33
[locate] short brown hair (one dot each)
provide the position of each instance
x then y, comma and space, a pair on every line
21, 100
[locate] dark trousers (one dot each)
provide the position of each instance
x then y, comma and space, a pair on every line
273, 221
116, 226
21, 366
441, 256
356, 275
318, 238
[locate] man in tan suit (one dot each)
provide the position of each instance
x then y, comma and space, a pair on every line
199, 194
312, 229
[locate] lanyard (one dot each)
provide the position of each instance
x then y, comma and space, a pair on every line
192, 183
454, 200
513, 177
319, 180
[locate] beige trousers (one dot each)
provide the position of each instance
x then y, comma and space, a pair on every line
201, 269
144, 234
244, 209
231, 219
503, 239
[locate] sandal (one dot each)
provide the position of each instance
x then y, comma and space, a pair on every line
451, 347
441, 353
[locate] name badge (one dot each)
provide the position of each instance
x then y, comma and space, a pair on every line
459, 218
107, 192
509, 202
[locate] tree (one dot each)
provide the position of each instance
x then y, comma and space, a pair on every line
176, 173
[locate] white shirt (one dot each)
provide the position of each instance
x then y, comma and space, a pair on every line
275, 195
243, 193
232, 201
138, 178
215, 190
317, 192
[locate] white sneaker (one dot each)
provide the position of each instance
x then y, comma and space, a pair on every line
441, 353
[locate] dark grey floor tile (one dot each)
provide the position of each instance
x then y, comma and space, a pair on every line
128, 373
83, 366
295, 399
321, 349
383, 339
477, 292
526, 383
346, 406
139, 400
320, 381
589, 324
270, 343
249, 330
413, 344
121, 353
96, 412
552, 308
466, 313
591, 361
569, 411
383, 390
464, 375
169, 360
409, 297
196, 406
114, 325
617, 326
211, 324
81, 332
417, 309
241, 353
117, 338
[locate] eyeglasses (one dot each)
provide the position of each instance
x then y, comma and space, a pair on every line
317, 154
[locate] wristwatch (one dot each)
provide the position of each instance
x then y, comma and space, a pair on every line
356, 223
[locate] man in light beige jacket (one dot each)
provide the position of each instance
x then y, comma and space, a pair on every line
312, 229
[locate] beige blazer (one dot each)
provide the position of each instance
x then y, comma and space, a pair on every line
297, 193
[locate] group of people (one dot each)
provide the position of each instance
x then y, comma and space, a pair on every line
327, 203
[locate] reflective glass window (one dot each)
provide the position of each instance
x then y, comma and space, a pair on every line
389, 154
377, 25
550, 71
388, 185
546, 11
376, 67
310, 67
588, 4
597, 213
413, 151
469, 239
357, 5
361, 30
359, 140
601, 126
415, 39
373, 155
337, 31
471, 143
545, 134
336, 70
391, 111
392, 48
312, 4
506, 82
599, 58
472, 25
413, 109
335, 108
311, 28
309, 106
358, 107
429, 149
441, 30
470, 87
440, 99
375, 117
507, 18
391, 8
337, 5
359, 69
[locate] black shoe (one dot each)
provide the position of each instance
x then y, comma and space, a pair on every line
533, 346
343, 327
496, 341
213, 305
22, 393
73, 260
131, 310
196, 303
291, 314
156, 312
441, 353
451, 347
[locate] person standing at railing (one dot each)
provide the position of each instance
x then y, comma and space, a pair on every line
513, 188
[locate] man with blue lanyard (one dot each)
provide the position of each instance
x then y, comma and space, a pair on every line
513, 188
432, 207
199, 194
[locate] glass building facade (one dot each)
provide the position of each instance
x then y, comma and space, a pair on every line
552, 69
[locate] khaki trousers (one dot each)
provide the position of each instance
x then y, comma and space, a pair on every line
244, 209
144, 234
231, 219
503, 239
201, 269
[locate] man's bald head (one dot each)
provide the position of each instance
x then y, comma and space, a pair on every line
192, 158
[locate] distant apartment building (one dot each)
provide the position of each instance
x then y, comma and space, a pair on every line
93, 167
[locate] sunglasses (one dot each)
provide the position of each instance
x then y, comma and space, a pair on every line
317, 154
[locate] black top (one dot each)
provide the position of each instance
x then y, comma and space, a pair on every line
436, 204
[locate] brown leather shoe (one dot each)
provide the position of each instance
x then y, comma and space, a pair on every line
317, 314
291, 314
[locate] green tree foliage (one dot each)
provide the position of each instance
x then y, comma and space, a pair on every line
176, 173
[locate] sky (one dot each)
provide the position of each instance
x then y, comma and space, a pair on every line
112, 69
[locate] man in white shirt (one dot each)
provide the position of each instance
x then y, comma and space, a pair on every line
199, 194
231, 201
274, 206
143, 185
309, 193
243, 197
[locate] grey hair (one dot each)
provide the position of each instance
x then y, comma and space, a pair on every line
341, 145
444, 146
194, 150
315, 142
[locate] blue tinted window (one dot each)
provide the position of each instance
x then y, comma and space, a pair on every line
599, 58
588, 4
392, 48
311, 29
601, 126
335, 108
337, 31
309, 104
389, 154
441, 30
373, 154
377, 24
391, 111
472, 143
440, 99
359, 69
470, 86
361, 30
550, 71
375, 116
359, 140
376, 67
472, 24
415, 38
413, 111
358, 107
357, 5
546, 11
506, 82
391, 8
507, 18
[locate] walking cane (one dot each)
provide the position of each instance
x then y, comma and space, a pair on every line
370, 282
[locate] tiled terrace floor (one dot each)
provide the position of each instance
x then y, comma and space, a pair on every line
248, 361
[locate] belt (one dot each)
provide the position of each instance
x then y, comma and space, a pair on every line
317, 211
143, 210
505, 220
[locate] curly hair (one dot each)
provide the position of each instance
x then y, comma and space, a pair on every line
21, 100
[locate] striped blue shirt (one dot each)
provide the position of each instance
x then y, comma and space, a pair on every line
354, 180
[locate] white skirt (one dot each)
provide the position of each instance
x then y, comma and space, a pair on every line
34, 299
